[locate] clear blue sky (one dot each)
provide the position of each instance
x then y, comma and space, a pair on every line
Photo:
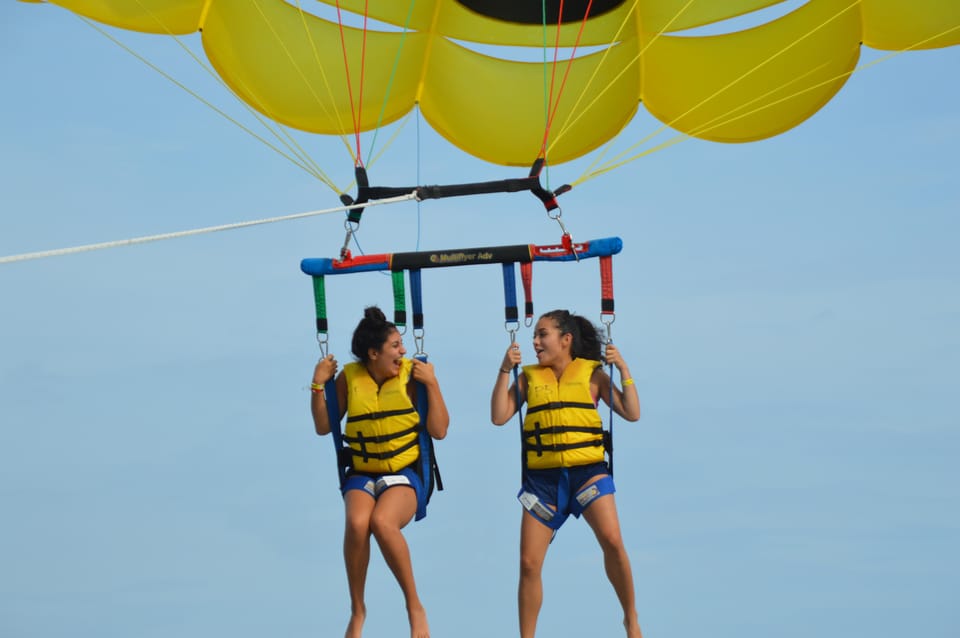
790, 309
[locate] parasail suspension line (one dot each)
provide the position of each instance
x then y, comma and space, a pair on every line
551, 105
614, 163
303, 161
619, 160
354, 106
393, 75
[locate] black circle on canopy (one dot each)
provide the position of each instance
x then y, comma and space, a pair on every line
532, 11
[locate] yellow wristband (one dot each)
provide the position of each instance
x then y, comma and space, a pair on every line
316, 388
627, 381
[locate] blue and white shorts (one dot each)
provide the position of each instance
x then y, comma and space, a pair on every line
563, 488
377, 484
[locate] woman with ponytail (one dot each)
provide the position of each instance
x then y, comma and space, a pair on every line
565, 471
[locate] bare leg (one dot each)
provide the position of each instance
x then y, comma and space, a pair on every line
356, 555
534, 541
602, 517
394, 509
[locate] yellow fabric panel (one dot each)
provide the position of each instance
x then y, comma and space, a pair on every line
290, 66
494, 108
895, 25
729, 88
734, 87
177, 17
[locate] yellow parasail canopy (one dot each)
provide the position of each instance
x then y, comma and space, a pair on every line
458, 59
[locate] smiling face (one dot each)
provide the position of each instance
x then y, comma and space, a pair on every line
552, 347
384, 363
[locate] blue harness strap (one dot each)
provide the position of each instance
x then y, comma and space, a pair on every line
333, 416
427, 468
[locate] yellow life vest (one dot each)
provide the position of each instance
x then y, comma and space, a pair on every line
381, 422
562, 427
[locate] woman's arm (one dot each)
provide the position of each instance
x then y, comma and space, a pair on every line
626, 401
325, 370
438, 419
503, 399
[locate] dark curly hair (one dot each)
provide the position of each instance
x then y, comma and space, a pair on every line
371, 332
586, 340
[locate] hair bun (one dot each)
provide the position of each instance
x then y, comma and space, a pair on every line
373, 313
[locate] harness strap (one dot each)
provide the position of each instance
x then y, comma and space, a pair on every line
557, 405
399, 301
380, 415
510, 313
320, 301
429, 470
380, 456
383, 438
607, 310
333, 416
516, 390
416, 299
560, 447
559, 429
526, 276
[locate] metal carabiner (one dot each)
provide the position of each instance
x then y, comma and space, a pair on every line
322, 342
608, 323
565, 234
351, 228
512, 331
418, 341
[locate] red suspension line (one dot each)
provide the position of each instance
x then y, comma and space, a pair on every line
363, 70
354, 108
553, 106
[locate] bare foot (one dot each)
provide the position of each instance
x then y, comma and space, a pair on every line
418, 623
355, 626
